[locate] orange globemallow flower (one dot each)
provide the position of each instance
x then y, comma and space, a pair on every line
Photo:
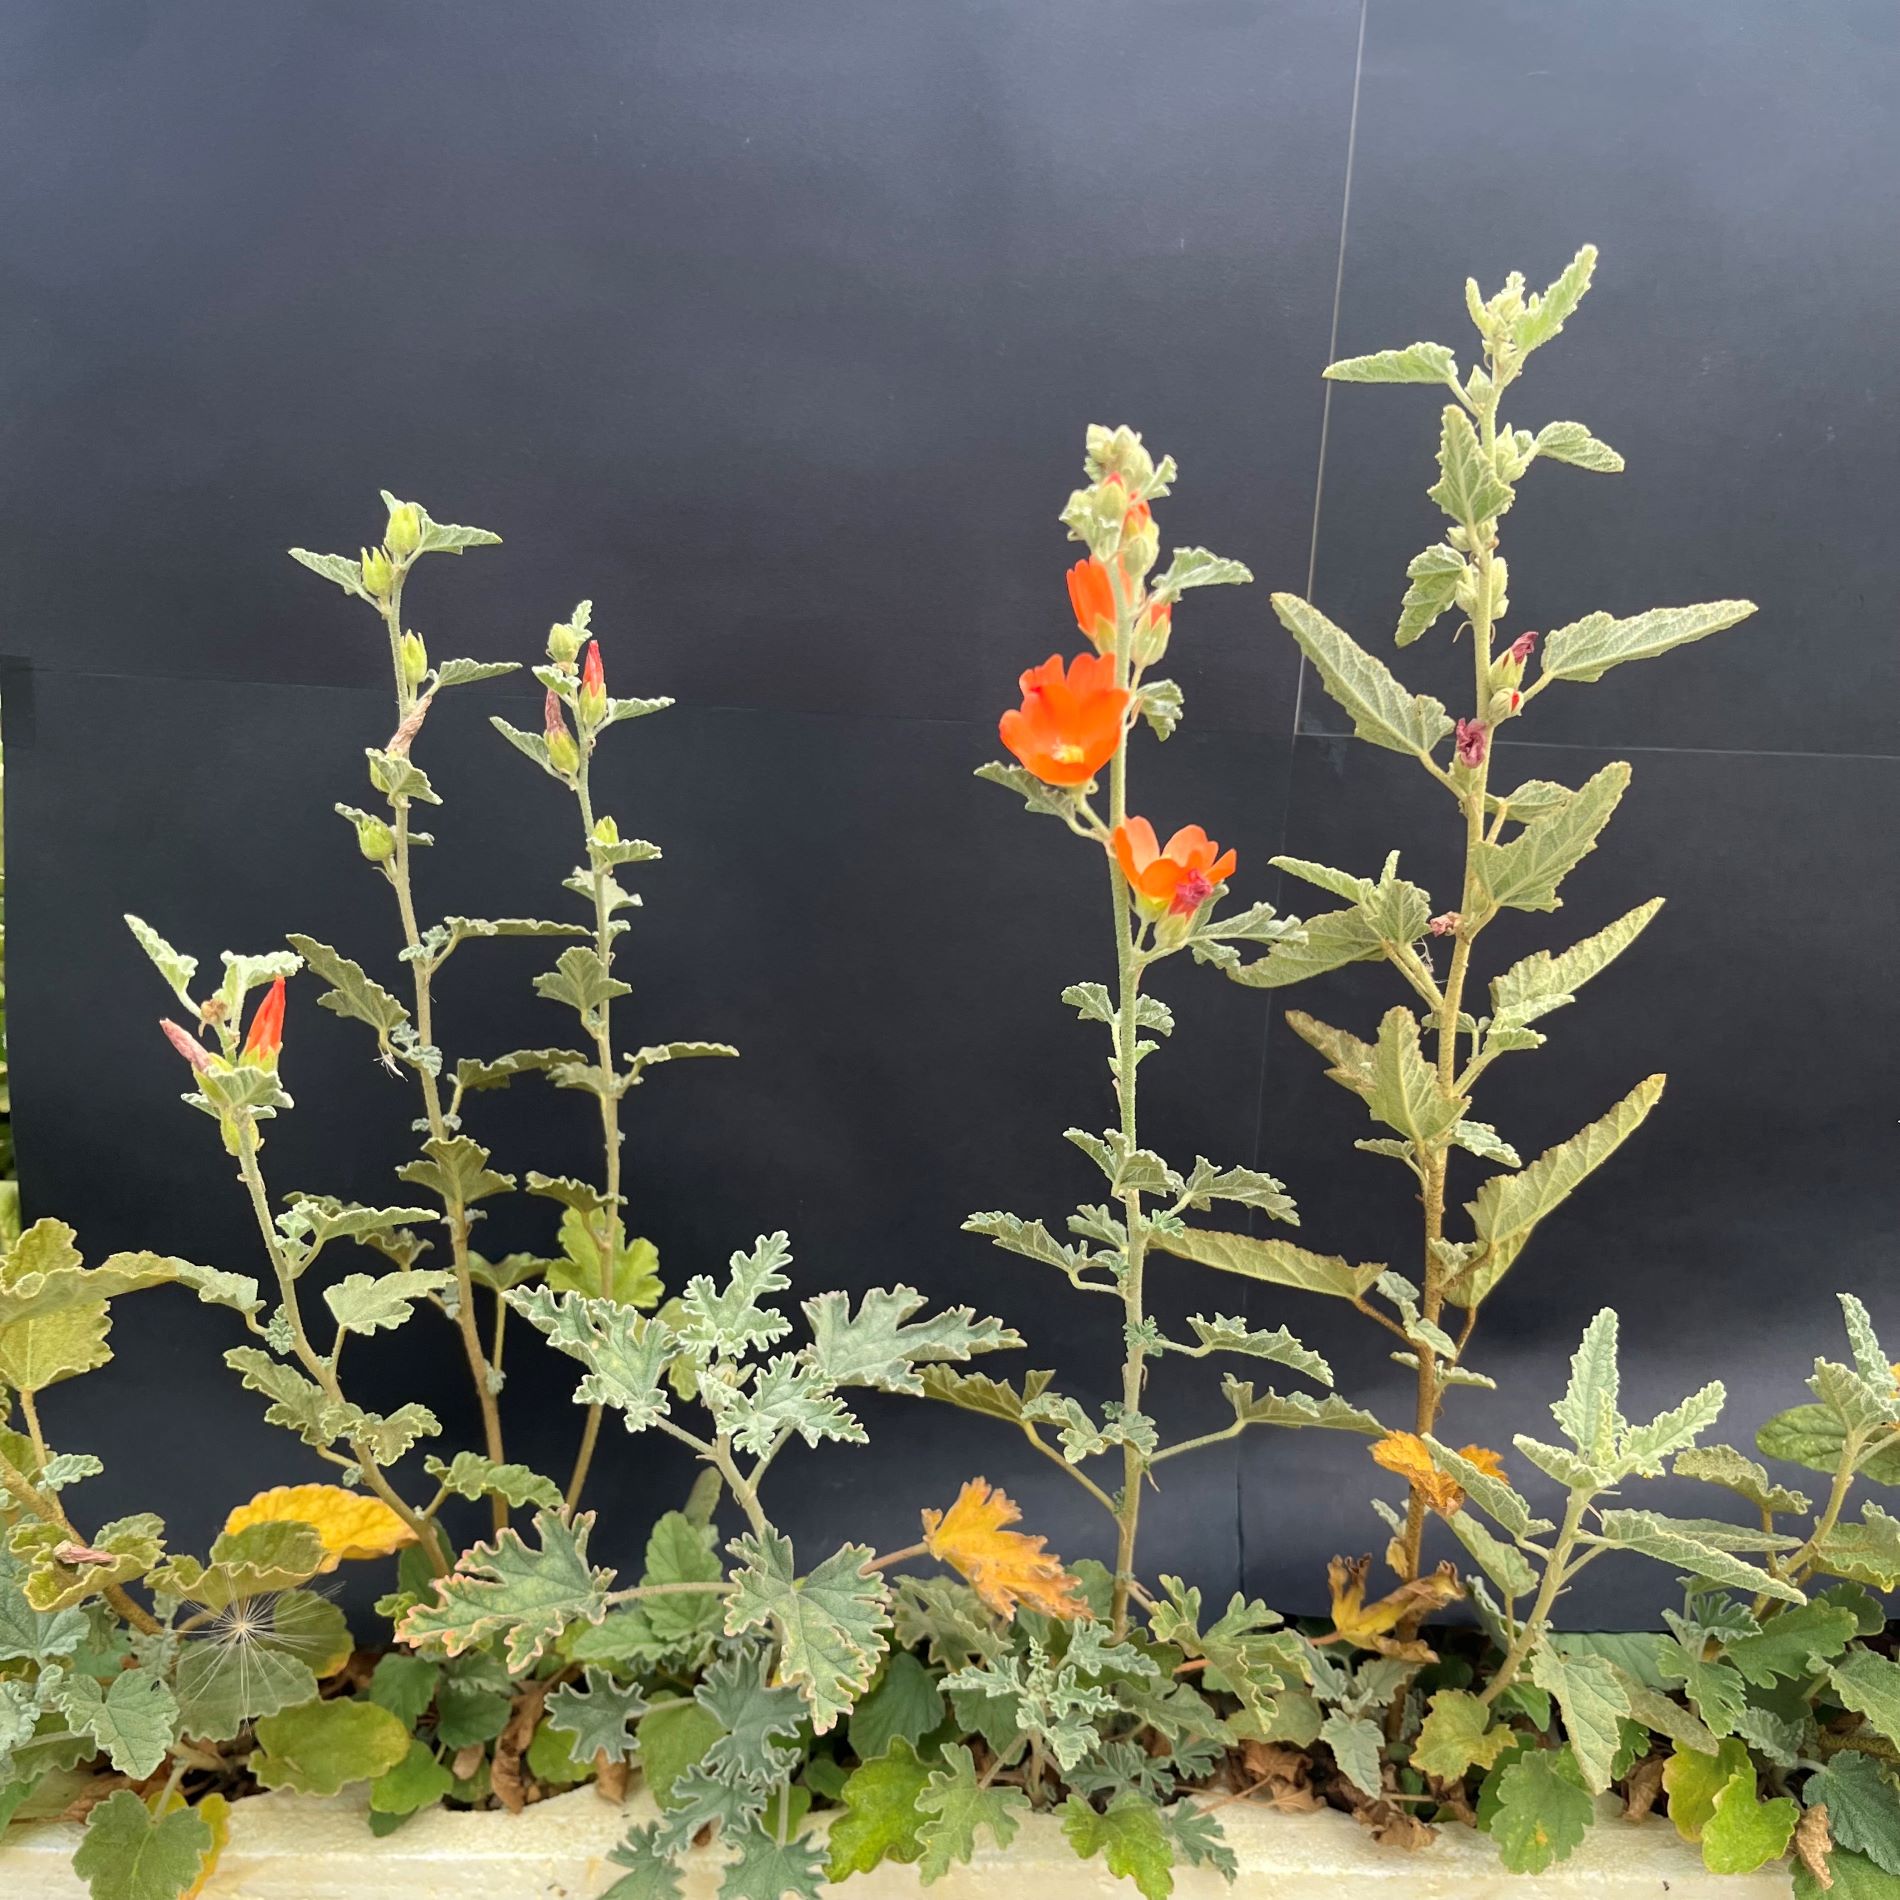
267, 1028
1092, 595
1068, 725
1178, 880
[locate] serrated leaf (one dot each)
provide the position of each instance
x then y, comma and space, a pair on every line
1355, 1744
1456, 1735
1382, 711
1724, 1465
960, 1807
1050, 800
1416, 363
367, 1303
1798, 1642
1571, 442
1404, 1092
1469, 488
1506, 1566
1435, 576
1593, 1703
881, 1345
976, 1392
1292, 1410
1862, 1800
1225, 1334
1588, 1411
340, 569
1129, 1836
729, 1321
1542, 982
1524, 874
1327, 942
469, 1475
1870, 1686
1867, 1552
352, 993
1744, 1833
471, 672
1278, 1262
880, 1820
1196, 567
599, 1714
1670, 1541
830, 1624
1509, 1206
581, 980
626, 1354
1543, 1810
1588, 648
1544, 315
505, 1590
129, 1853
132, 1717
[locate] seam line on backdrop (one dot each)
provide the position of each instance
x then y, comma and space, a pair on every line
1299, 687
1667, 751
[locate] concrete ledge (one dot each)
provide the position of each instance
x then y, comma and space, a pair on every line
293, 1847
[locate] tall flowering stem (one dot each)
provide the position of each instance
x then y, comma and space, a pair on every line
1417, 1078
1072, 731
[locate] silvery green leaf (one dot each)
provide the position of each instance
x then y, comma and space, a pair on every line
442, 537
1296, 1409
457, 1169
1258, 923
1447, 1374
1129, 1170
882, 1344
1506, 1566
1196, 567
1588, 648
470, 672
1355, 1743
599, 1715
1571, 442
1324, 943
1469, 488
316, 1220
242, 974
1382, 711
1858, 1403
656, 1053
1051, 800
497, 1074
1343, 884
398, 777
1593, 1703
976, 1392
508, 1592
1416, 363
469, 1475
249, 1088
619, 709
460, 929
1672, 1541
1724, 1465
531, 744
352, 993
830, 1625
176, 968
1161, 705
1081, 1438
582, 981
1246, 1186
1870, 1357
1481, 1139
731, 1322
132, 1717
1435, 576
1544, 316
787, 1395
1090, 1001
1644, 1447
1277, 1261
1587, 1412
345, 571
579, 1195
1524, 873
1224, 1334
1034, 1241
1867, 1552
625, 1352
68, 1467
1541, 982
1509, 1206
1404, 1091
1554, 1461
365, 1303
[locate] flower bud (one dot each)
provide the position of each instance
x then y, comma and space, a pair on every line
377, 573
606, 831
188, 1046
375, 840
1473, 742
564, 642
415, 659
404, 533
1507, 670
563, 754
266, 1041
1141, 541
593, 695
1153, 625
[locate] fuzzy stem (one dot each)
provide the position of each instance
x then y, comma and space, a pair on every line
1556, 1571
48, 1510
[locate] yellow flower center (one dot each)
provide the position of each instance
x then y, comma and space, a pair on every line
1067, 754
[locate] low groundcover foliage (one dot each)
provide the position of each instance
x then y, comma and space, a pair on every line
928, 1700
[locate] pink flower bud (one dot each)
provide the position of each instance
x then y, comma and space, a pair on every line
1445, 923
187, 1046
1522, 646
1473, 737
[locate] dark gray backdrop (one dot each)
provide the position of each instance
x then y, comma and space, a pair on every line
774, 330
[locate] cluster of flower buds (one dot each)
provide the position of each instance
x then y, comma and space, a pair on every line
401, 538
262, 1045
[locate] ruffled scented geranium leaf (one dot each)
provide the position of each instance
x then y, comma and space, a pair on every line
1130, 1836
635, 1280
469, 1475
882, 1345
957, 1808
625, 1353
904, 1705
261, 1555
767, 1868
368, 1303
1007, 1569
505, 1590
352, 993
881, 1819
598, 1714
60, 1572
830, 1625
1457, 1734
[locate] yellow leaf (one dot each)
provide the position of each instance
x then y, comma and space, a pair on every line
1005, 1567
1368, 1625
1411, 1458
215, 1811
349, 1524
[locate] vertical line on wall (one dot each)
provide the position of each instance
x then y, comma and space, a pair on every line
1260, 1158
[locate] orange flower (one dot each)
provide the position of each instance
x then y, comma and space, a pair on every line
1178, 880
1092, 595
1068, 726
267, 1028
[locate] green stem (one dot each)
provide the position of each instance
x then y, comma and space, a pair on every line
1556, 1573
47, 1508
320, 1369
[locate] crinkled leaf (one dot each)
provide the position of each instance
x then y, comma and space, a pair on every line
882, 1346
1588, 648
1416, 363
1524, 873
1278, 1262
1382, 711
